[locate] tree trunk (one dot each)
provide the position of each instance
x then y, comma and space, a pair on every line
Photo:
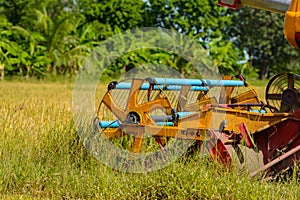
49, 68
28, 71
20, 70
250, 60
264, 72
54, 70
2, 71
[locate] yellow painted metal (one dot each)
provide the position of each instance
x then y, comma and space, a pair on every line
209, 119
227, 91
113, 133
166, 131
292, 22
246, 97
201, 104
193, 126
207, 115
234, 117
137, 144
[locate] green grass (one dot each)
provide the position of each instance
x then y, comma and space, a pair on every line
42, 157
257, 82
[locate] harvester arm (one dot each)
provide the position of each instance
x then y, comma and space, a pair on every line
280, 6
291, 9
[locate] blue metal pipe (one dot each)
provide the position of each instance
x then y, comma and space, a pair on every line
163, 118
233, 83
164, 123
198, 82
115, 124
159, 120
109, 124
178, 81
168, 118
175, 84
183, 114
145, 86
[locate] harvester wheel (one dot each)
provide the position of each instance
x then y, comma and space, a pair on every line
124, 115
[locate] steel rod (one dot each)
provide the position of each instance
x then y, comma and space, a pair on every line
277, 160
280, 6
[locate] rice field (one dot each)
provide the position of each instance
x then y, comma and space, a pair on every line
43, 157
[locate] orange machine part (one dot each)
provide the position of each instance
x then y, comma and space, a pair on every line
292, 24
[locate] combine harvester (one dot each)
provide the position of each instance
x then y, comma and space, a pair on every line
241, 125
263, 136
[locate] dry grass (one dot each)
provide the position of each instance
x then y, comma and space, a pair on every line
42, 157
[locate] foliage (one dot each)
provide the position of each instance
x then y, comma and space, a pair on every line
63, 47
260, 34
111, 17
225, 56
201, 19
8, 49
205, 22
45, 37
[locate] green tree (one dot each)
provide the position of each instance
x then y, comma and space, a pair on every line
205, 22
111, 17
60, 40
202, 19
31, 55
14, 9
43, 33
260, 34
20, 12
9, 50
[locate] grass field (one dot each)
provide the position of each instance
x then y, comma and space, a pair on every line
42, 157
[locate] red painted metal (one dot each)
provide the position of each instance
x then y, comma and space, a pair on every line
280, 143
246, 135
284, 157
233, 4
218, 151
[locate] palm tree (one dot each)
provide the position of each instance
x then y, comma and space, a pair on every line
8, 49
62, 43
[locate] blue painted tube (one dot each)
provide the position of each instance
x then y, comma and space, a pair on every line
165, 118
175, 84
164, 123
178, 81
258, 111
109, 124
178, 87
145, 86
115, 124
234, 83
183, 114
198, 82
160, 120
